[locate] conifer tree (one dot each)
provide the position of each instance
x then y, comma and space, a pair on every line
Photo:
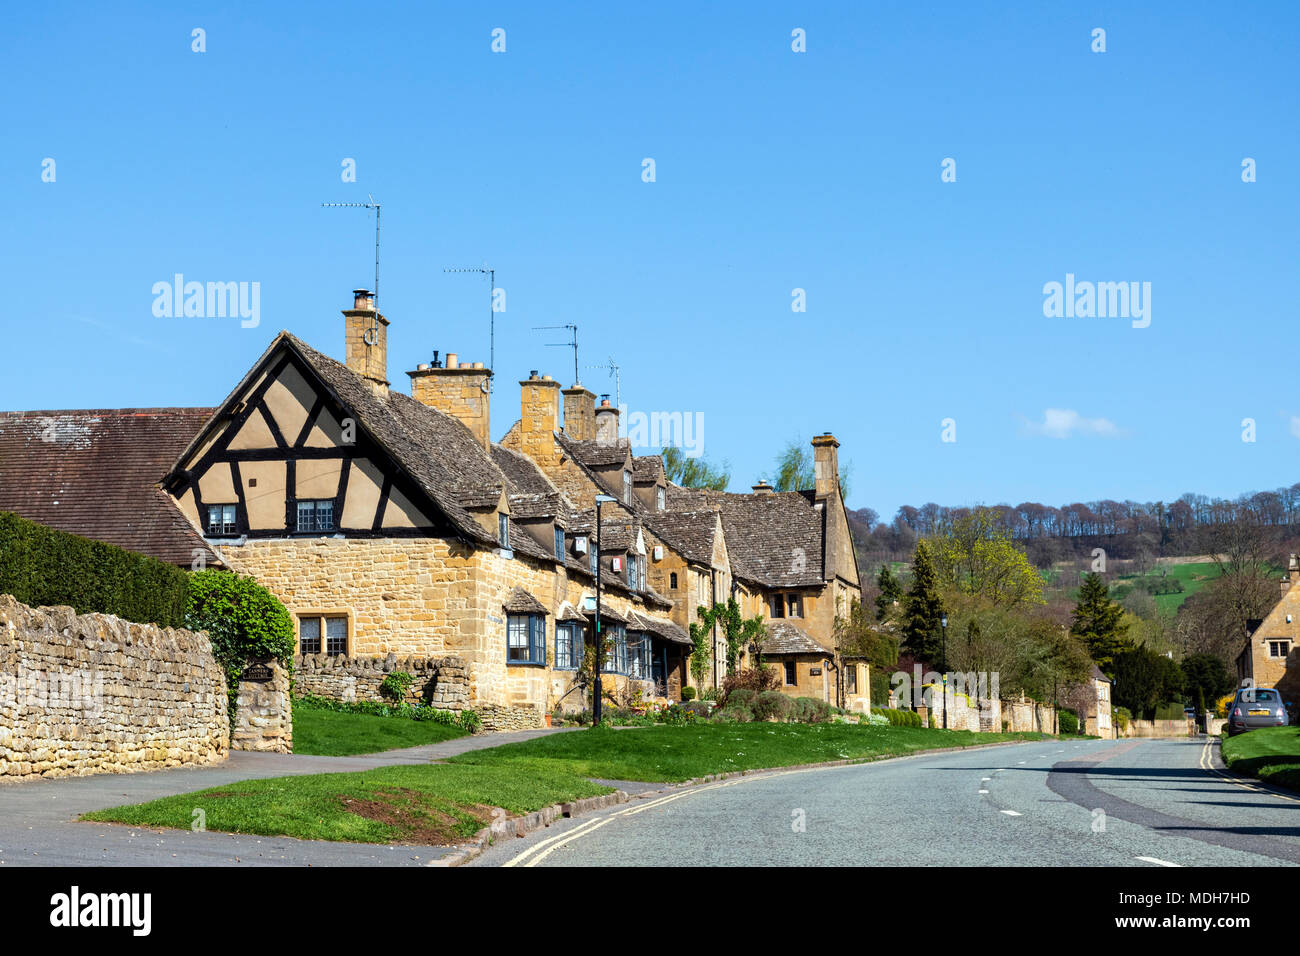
890, 592
1099, 623
922, 608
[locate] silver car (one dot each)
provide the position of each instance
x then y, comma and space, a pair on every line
1255, 707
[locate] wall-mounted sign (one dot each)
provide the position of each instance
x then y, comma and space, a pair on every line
256, 673
814, 671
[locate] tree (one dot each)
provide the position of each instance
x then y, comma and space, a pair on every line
702, 654
738, 632
922, 608
694, 472
891, 593
974, 554
857, 636
1144, 680
1205, 679
1099, 622
796, 469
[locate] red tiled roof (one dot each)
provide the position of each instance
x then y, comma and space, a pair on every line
95, 473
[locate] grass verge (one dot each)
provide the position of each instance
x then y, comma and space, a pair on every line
331, 734
443, 803
1271, 754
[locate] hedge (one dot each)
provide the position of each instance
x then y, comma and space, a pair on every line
44, 567
899, 718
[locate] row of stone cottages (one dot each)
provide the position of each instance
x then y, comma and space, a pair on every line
392, 526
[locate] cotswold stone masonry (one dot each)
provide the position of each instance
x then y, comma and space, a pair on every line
92, 693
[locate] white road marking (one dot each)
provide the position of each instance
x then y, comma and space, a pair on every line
1011, 813
985, 779
1156, 861
983, 791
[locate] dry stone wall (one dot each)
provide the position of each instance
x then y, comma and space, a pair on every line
441, 682
91, 693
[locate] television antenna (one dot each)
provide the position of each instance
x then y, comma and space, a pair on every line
618, 380
571, 344
491, 273
371, 204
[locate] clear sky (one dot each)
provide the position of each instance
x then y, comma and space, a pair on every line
774, 171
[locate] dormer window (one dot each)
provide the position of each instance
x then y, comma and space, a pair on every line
559, 544
627, 486
595, 560
503, 531
659, 499
631, 571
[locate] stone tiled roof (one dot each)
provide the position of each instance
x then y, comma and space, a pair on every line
597, 454
662, 627
691, 532
647, 469
786, 638
95, 473
568, 612
774, 540
519, 601
607, 613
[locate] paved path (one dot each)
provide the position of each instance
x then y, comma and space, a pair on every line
1056, 803
38, 818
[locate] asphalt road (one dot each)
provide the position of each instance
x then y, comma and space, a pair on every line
1057, 803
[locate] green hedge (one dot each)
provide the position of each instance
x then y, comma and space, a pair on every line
43, 567
899, 718
1067, 721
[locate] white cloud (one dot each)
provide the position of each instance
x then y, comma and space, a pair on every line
1066, 423
1295, 426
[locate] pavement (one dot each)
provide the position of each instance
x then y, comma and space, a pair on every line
1056, 803
39, 826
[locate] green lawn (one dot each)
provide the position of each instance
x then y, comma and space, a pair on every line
442, 803
1271, 753
1192, 576
330, 734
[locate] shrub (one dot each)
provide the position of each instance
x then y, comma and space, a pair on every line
1122, 717
772, 704
41, 567
756, 679
244, 621
734, 713
1067, 721
676, 714
395, 685
810, 710
899, 718
710, 694
1171, 711
741, 697
375, 708
688, 693
469, 721
697, 707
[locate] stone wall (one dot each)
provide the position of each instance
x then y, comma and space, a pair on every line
1160, 728
1027, 716
91, 693
497, 718
441, 682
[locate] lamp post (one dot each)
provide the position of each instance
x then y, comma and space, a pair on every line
943, 622
595, 707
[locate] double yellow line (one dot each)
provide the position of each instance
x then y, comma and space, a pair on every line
1207, 763
540, 851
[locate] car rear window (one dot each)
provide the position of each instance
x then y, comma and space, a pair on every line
1262, 696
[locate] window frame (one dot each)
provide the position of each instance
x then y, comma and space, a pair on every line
534, 634
503, 530
572, 658
850, 678
559, 544
627, 486
314, 506
616, 659
232, 524
323, 638
788, 668
1280, 642
659, 498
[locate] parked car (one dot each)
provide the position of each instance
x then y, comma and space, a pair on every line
1254, 707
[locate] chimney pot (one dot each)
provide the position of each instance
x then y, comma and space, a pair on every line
362, 299
452, 360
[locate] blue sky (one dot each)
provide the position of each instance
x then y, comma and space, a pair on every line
775, 170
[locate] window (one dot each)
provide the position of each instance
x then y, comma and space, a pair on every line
503, 531
333, 629
559, 544
1278, 648
791, 675
616, 658
672, 581
659, 498
632, 576
595, 560
795, 605
850, 678
316, 515
627, 486
568, 646
525, 639
777, 601
221, 519
638, 646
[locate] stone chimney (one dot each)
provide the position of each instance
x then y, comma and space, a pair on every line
826, 464
579, 413
1292, 574
367, 339
539, 416
606, 422
459, 390
762, 488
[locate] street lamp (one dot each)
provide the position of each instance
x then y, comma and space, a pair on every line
943, 622
595, 707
